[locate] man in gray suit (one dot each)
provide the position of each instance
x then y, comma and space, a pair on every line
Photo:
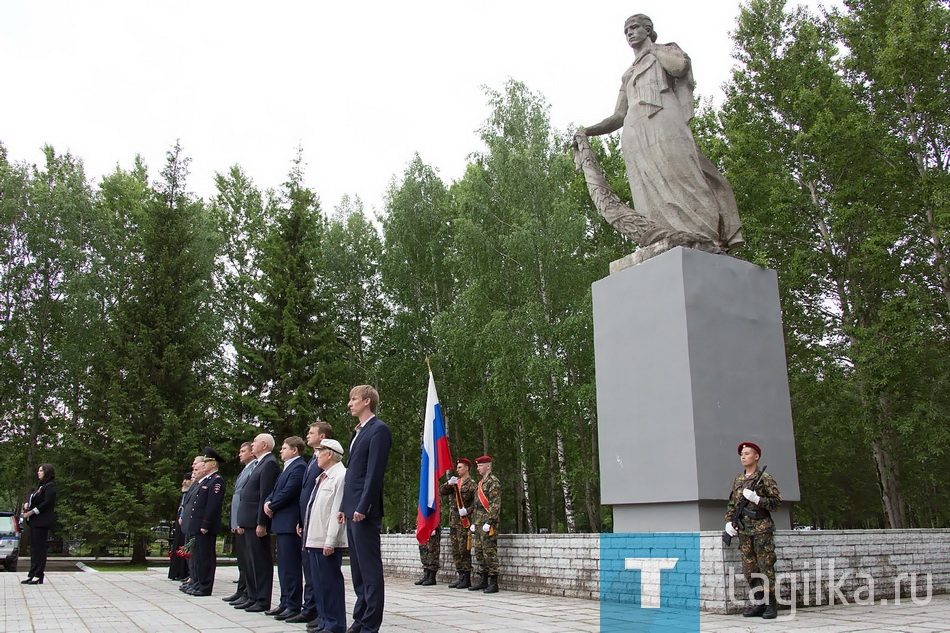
246, 457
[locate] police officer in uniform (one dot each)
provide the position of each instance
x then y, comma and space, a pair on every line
461, 487
485, 526
755, 529
205, 524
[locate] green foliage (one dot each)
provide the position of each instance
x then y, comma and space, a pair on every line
290, 356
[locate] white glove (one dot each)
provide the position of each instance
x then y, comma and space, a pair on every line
472, 529
731, 530
463, 512
486, 528
749, 494
453, 481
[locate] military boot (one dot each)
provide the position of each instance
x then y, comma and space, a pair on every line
465, 581
492, 584
757, 607
429, 580
481, 584
771, 609
455, 583
422, 579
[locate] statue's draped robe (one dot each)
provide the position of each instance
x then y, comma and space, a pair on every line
672, 182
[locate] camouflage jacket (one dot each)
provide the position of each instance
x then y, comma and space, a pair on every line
492, 489
771, 500
468, 488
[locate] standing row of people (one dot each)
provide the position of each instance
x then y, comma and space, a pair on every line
315, 509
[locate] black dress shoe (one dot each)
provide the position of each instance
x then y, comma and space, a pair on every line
354, 629
199, 593
301, 617
276, 611
233, 597
28, 581
243, 605
256, 608
286, 615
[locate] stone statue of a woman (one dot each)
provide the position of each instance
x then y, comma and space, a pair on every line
678, 195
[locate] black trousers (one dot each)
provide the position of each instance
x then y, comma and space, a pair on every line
204, 562
39, 547
260, 567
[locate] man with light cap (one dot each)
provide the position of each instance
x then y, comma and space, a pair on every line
755, 529
326, 534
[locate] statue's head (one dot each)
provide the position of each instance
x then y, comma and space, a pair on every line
642, 20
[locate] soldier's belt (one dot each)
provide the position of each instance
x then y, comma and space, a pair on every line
753, 513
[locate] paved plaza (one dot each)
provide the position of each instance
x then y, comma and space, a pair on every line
147, 601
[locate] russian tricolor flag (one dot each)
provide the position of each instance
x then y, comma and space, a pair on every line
436, 459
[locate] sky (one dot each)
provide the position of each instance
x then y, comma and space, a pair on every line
360, 86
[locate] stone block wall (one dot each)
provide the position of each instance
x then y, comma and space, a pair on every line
812, 563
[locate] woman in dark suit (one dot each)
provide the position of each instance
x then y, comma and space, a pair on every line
40, 516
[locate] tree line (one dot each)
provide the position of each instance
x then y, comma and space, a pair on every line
140, 322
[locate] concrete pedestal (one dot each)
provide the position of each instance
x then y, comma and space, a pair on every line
690, 361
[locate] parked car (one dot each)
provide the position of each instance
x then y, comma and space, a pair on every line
9, 541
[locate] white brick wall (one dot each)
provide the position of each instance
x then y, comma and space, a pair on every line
569, 564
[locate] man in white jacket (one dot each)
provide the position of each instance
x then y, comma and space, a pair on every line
326, 534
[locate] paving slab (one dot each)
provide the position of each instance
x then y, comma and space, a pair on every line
126, 602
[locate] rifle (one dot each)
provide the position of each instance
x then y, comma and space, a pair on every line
737, 513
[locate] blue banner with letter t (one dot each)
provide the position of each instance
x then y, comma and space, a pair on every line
649, 582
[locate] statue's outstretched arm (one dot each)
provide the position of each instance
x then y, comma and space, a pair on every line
612, 123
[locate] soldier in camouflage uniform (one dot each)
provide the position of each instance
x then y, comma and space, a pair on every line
429, 555
456, 487
485, 526
755, 529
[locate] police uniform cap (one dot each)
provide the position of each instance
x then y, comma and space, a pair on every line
212, 455
751, 445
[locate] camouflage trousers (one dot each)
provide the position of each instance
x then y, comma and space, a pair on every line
429, 553
486, 552
758, 557
461, 548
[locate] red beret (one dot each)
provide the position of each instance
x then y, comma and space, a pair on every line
462, 460
484, 459
751, 445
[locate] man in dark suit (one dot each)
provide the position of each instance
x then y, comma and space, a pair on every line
205, 523
362, 508
283, 506
256, 526
246, 457
308, 612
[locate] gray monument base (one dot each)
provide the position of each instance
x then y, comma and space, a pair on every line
648, 517
690, 361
